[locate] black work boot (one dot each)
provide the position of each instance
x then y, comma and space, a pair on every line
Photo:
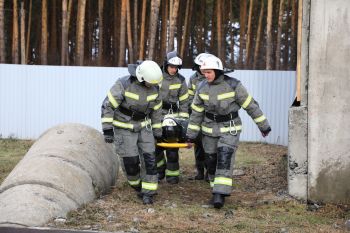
218, 200
147, 199
172, 179
200, 174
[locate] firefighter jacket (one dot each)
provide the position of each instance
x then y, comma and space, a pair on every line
132, 105
174, 93
195, 79
222, 99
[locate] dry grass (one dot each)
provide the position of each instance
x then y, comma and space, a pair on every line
258, 204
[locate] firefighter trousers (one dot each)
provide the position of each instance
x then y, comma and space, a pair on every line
136, 151
219, 158
168, 166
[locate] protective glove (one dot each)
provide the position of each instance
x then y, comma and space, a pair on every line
190, 142
109, 135
266, 132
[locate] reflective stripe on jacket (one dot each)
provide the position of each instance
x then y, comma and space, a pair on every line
174, 91
195, 79
221, 97
129, 93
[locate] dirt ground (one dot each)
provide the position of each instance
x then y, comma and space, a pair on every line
259, 202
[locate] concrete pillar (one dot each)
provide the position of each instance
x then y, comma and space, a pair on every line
297, 152
328, 102
69, 165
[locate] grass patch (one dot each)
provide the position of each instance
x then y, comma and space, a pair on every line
11, 152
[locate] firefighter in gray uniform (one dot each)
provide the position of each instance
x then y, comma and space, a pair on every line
215, 113
195, 79
131, 117
174, 94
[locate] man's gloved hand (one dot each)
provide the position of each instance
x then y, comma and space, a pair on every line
109, 135
266, 132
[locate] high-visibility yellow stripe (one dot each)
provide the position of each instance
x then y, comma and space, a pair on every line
260, 119
158, 106
183, 97
174, 86
194, 87
107, 120
157, 126
132, 95
206, 129
152, 97
194, 127
190, 92
226, 95
228, 129
196, 108
211, 184
123, 125
204, 96
128, 125
247, 102
149, 186
184, 114
172, 173
112, 100
222, 129
223, 181
134, 182
161, 163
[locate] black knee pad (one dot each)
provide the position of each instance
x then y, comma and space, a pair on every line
224, 157
150, 164
132, 165
210, 162
172, 155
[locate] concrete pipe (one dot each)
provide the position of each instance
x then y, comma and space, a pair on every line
69, 165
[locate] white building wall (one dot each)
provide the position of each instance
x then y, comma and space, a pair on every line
35, 98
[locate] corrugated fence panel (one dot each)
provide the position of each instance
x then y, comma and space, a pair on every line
35, 98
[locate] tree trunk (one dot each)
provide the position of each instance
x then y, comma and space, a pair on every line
164, 32
153, 27
121, 59
219, 30
23, 49
135, 29
130, 45
258, 36
232, 37
201, 26
53, 58
269, 36
2, 32
173, 19
44, 36
249, 35
279, 35
187, 18
143, 29
293, 47
28, 31
15, 55
286, 37
64, 34
100, 32
80, 33
242, 23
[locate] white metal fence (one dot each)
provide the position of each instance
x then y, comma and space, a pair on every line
35, 98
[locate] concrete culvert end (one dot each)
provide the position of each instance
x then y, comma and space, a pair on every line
69, 165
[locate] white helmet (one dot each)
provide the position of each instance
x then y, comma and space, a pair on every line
150, 72
212, 63
200, 58
173, 59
